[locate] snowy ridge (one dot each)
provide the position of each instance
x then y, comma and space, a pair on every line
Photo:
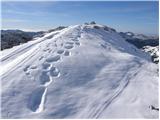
83, 71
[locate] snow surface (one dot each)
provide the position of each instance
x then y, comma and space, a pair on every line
78, 72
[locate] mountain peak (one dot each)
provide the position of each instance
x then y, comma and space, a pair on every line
82, 71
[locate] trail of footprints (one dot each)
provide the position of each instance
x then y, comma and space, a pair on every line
45, 77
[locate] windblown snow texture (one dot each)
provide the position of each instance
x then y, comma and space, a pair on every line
83, 71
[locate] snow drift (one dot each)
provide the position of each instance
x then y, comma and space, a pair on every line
83, 71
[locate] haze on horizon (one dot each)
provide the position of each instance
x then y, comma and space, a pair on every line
134, 16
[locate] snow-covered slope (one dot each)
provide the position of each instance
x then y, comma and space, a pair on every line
82, 71
148, 44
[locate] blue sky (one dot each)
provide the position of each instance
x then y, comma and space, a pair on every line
138, 17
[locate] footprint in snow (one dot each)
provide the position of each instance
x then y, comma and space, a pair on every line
37, 99
68, 46
45, 65
40, 58
49, 51
67, 53
77, 43
43, 78
74, 40
46, 49
33, 67
54, 72
28, 69
104, 46
71, 43
60, 51
61, 44
53, 59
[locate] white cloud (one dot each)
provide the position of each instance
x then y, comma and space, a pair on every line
12, 20
34, 13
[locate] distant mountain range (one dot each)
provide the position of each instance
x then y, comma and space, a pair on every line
140, 40
10, 38
149, 44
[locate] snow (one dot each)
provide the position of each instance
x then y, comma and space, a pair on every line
153, 51
78, 72
37, 100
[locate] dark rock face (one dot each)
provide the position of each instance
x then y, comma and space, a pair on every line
97, 27
93, 22
153, 108
106, 28
153, 51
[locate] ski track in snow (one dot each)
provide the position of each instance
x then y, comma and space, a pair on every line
130, 73
124, 82
54, 50
19, 51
